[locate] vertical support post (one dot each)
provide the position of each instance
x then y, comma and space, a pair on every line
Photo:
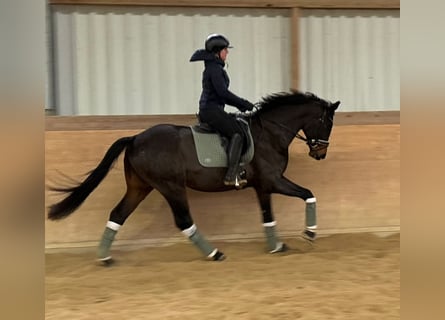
295, 48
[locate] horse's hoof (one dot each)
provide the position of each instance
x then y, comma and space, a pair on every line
105, 262
219, 256
281, 247
308, 236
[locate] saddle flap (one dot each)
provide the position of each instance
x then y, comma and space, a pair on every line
210, 147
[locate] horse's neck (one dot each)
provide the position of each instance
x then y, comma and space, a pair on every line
278, 128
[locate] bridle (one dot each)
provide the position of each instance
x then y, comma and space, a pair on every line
315, 144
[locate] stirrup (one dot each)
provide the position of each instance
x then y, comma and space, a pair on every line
240, 182
231, 182
240, 179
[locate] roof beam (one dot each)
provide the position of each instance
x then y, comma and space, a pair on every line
309, 4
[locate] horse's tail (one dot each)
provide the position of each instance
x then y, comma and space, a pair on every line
78, 193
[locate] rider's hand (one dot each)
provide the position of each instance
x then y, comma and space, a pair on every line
248, 106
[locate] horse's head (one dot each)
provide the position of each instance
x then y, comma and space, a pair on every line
318, 130
295, 111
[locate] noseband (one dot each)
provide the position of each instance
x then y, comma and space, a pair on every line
314, 144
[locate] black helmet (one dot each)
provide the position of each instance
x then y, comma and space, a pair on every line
216, 42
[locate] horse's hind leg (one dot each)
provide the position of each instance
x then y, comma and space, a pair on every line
118, 215
177, 199
137, 190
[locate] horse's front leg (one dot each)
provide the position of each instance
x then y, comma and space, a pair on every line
269, 223
287, 187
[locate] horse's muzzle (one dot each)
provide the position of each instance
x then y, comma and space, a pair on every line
317, 157
318, 152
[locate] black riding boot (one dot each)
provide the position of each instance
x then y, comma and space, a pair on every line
234, 154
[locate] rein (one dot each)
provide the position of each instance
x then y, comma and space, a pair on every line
311, 142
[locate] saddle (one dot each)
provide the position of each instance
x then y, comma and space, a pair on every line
211, 148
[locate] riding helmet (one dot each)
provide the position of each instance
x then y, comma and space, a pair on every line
216, 42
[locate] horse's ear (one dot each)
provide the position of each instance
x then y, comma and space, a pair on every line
335, 105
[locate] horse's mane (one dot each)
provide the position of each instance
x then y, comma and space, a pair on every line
276, 100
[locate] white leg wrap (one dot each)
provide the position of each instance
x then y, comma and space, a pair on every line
270, 224
189, 231
105, 259
113, 225
212, 253
311, 214
278, 247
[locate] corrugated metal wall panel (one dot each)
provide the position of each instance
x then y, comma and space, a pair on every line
352, 56
134, 60
49, 103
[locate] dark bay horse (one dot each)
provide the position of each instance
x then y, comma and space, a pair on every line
163, 157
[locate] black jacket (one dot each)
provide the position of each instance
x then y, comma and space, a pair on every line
215, 84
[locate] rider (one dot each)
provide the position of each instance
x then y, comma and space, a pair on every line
215, 94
